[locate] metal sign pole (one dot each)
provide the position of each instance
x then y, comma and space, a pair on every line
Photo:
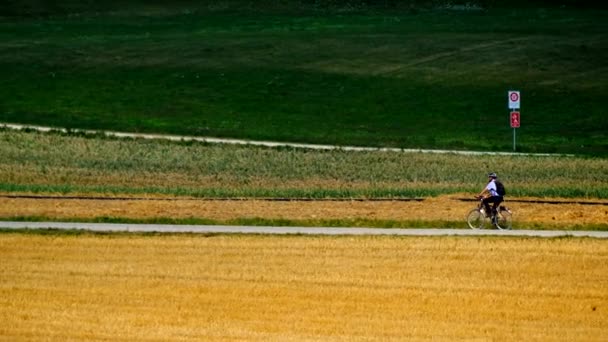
514, 139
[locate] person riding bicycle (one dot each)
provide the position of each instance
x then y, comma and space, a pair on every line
490, 195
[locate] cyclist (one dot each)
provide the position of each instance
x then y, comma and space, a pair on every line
490, 195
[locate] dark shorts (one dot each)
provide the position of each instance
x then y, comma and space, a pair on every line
496, 200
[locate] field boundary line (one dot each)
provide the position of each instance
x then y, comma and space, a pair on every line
275, 199
217, 229
211, 140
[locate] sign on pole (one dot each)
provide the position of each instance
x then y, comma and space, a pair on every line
514, 102
515, 119
514, 99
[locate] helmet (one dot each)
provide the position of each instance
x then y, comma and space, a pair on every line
493, 175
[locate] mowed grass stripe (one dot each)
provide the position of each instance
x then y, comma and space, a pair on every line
296, 288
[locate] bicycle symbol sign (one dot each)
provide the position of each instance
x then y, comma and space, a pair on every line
515, 119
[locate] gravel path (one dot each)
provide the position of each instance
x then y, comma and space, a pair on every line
168, 228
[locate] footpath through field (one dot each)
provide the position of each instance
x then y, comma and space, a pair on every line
214, 229
253, 142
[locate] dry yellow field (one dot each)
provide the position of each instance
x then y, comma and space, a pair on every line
296, 288
442, 208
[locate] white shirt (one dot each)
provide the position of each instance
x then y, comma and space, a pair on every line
491, 187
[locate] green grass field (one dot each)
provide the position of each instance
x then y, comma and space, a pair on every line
404, 77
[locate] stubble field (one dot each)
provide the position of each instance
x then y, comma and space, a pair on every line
442, 211
218, 288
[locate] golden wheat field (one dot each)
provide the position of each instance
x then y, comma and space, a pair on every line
301, 288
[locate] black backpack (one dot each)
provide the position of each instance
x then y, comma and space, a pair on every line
500, 188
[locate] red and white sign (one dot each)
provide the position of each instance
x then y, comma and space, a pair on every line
514, 99
515, 119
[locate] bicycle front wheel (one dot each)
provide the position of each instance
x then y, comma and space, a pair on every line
475, 219
503, 220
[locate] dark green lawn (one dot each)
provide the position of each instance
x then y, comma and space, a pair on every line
432, 79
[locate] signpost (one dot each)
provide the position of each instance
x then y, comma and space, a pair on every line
514, 103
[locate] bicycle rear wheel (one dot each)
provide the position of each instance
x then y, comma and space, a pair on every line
503, 220
475, 219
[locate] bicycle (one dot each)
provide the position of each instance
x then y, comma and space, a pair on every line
477, 218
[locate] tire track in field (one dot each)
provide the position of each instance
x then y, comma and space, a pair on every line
431, 58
